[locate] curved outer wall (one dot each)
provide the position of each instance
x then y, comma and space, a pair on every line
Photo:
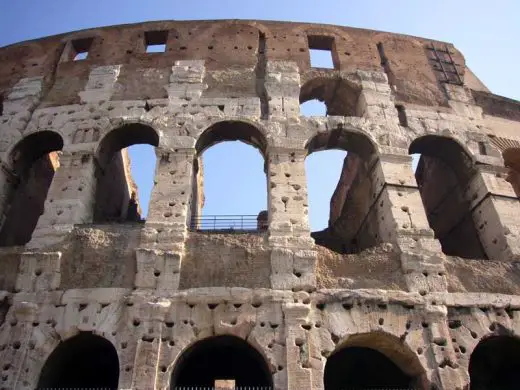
153, 289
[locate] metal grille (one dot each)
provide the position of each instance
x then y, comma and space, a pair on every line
227, 224
443, 64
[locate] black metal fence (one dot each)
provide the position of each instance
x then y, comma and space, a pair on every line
227, 224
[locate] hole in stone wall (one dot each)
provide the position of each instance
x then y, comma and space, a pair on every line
512, 162
401, 113
347, 219
230, 191
313, 108
223, 357
33, 162
443, 172
79, 49
83, 361
322, 51
340, 96
124, 183
495, 364
155, 41
321, 184
1, 105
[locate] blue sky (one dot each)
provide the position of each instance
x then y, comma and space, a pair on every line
486, 32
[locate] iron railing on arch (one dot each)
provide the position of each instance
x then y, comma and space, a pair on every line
227, 224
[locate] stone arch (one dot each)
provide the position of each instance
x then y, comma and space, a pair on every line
444, 171
223, 131
116, 193
340, 95
82, 361
351, 226
232, 130
356, 361
511, 158
224, 357
495, 363
32, 163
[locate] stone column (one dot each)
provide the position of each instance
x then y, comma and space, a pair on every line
301, 365
287, 198
7, 180
292, 257
402, 221
168, 215
159, 257
496, 212
70, 199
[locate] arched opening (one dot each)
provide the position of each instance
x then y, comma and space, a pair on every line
512, 162
118, 198
313, 108
359, 365
339, 95
443, 173
352, 222
495, 364
218, 358
33, 161
230, 185
84, 361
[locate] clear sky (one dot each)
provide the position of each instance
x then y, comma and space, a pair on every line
486, 32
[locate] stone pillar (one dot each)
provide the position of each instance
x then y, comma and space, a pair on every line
70, 199
402, 221
301, 365
376, 99
7, 180
168, 216
292, 257
496, 212
287, 198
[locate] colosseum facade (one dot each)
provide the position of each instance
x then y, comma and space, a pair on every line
414, 284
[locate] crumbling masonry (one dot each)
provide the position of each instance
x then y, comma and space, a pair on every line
414, 284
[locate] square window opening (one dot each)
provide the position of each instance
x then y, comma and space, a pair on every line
321, 49
155, 41
80, 49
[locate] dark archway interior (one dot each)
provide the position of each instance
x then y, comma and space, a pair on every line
443, 173
353, 223
34, 161
84, 361
115, 199
363, 368
222, 357
512, 162
339, 95
495, 364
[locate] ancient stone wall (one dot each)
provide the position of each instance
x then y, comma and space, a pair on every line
421, 271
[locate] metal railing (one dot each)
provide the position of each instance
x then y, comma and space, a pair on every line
227, 223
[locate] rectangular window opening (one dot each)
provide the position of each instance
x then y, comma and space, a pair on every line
155, 41
80, 49
321, 50
482, 148
401, 113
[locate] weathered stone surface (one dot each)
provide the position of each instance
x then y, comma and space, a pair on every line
421, 269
